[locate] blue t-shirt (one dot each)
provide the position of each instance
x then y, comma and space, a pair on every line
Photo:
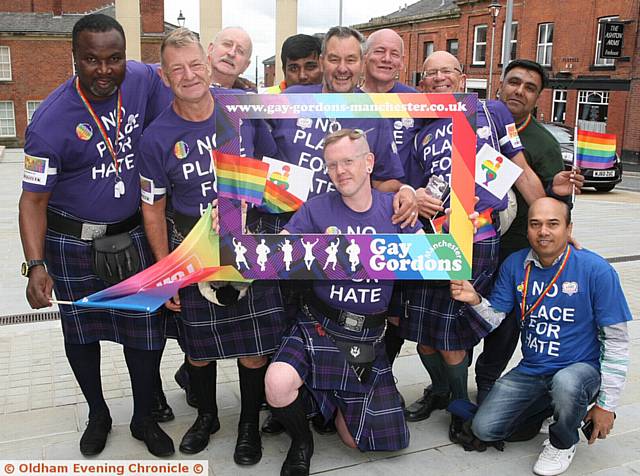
563, 329
301, 142
433, 147
327, 213
66, 155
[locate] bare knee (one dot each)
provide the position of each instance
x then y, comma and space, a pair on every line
453, 357
281, 384
199, 363
426, 349
253, 362
343, 431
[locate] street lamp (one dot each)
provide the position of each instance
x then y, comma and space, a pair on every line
181, 19
494, 10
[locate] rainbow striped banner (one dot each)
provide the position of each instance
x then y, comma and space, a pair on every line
595, 150
240, 178
278, 200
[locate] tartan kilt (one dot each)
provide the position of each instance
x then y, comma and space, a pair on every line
432, 318
253, 326
371, 409
69, 262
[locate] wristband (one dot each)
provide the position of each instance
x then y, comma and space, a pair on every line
407, 187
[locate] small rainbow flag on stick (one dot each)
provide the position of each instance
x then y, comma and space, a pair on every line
240, 178
595, 150
278, 200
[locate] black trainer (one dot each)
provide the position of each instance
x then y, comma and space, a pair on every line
95, 435
271, 426
248, 445
160, 409
197, 437
158, 442
421, 409
298, 459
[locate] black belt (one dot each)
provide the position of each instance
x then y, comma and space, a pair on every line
89, 231
184, 223
349, 320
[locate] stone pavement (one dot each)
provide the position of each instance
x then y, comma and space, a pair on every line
43, 414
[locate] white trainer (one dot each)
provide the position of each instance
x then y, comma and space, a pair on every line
553, 461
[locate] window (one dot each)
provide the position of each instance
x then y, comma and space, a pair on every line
5, 64
559, 110
602, 61
31, 108
593, 106
545, 43
478, 86
452, 47
514, 42
428, 49
480, 44
7, 119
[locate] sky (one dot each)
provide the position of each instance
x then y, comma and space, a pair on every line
258, 18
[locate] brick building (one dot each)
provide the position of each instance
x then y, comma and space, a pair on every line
563, 36
35, 52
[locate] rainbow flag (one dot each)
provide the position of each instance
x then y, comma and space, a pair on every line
595, 150
278, 200
485, 226
240, 178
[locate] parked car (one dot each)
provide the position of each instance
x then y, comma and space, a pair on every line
603, 180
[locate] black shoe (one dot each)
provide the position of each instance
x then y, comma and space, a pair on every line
422, 408
298, 459
182, 379
95, 435
271, 426
318, 424
248, 445
160, 409
455, 429
157, 441
197, 437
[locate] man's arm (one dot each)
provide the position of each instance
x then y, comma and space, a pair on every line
32, 218
528, 183
614, 361
464, 291
405, 204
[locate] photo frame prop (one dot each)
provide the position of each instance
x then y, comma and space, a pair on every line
352, 255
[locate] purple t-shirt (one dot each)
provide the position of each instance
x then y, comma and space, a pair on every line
403, 129
176, 160
328, 212
66, 155
300, 142
433, 146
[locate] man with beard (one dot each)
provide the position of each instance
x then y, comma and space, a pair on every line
81, 192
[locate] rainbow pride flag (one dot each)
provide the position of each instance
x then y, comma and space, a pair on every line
485, 226
240, 178
278, 200
595, 150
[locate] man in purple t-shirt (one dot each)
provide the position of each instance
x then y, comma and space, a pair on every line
343, 365
80, 184
177, 157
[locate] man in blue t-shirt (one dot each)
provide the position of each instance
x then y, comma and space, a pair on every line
339, 319
574, 336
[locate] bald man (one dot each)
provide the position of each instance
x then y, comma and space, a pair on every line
229, 55
573, 316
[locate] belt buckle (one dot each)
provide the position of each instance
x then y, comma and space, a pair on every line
351, 321
91, 231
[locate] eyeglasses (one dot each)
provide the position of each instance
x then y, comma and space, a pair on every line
345, 163
432, 73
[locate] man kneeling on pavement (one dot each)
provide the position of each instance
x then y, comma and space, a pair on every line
573, 317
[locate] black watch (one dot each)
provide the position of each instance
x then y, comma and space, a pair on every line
27, 265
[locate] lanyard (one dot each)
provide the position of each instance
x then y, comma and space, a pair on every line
103, 131
524, 313
524, 124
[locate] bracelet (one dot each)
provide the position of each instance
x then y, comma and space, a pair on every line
408, 187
